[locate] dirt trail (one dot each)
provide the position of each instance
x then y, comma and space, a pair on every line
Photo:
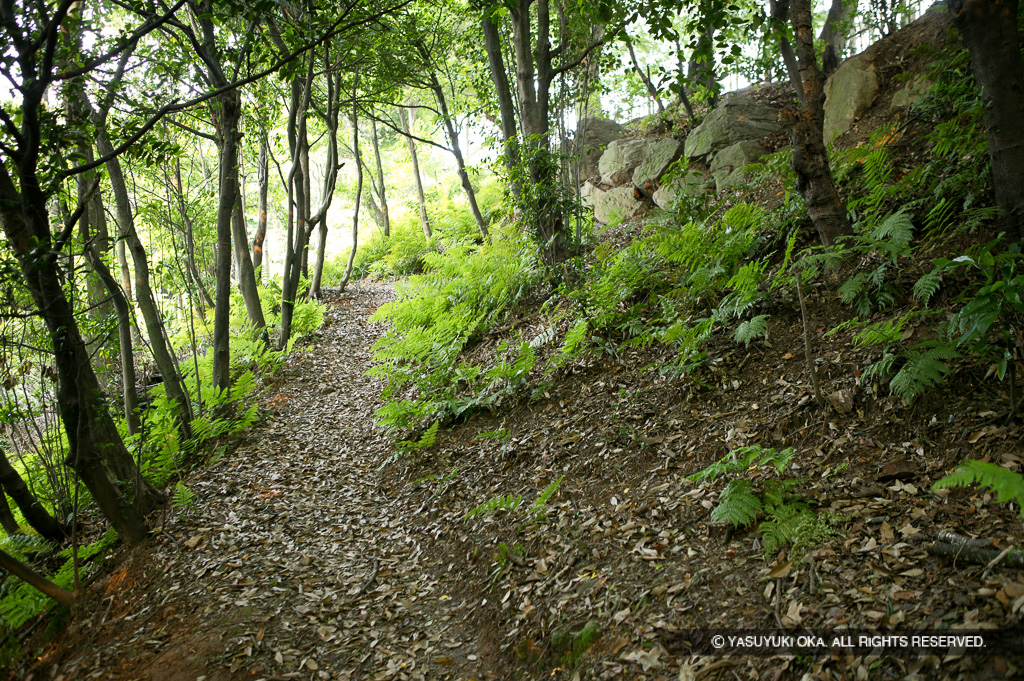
292, 564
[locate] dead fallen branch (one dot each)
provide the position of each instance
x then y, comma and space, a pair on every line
980, 551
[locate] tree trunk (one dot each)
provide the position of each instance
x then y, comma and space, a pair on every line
834, 34
35, 515
651, 90
227, 116
385, 219
453, 139
263, 177
87, 422
37, 581
190, 240
780, 19
407, 129
143, 291
7, 520
989, 29
124, 321
359, 189
246, 274
810, 159
506, 107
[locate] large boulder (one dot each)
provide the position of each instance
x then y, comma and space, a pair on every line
617, 205
589, 193
596, 134
908, 95
687, 183
736, 119
849, 93
619, 161
728, 164
658, 155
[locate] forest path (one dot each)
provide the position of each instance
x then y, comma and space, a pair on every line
292, 564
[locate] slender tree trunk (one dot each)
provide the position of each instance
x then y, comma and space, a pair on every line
506, 107
989, 30
144, 292
780, 20
87, 422
7, 520
385, 220
681, 97
359, 189
810, 159
246, 274
453, 139
124, 323
651, 90
404, 117
263, 177
834, 34
299, 188
190, 241
33, 511
37, 581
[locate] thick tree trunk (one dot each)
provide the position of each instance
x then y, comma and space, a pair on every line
37, 581
87, 422
810, 159
263, 177
834, 34
385, 218
228, 114
144, 292
407, 129
35, 515
989, 29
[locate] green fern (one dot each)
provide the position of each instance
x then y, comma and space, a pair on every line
1008, 485
507, 502
538, 507
742, 458
927, 286
183, 497
798, 527
756, 327
425, 442
738, 504
925, 368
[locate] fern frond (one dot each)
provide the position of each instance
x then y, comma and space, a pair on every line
1008, 485
927, 286
738, 504
755, 327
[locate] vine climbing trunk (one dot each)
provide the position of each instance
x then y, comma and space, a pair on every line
810, 158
